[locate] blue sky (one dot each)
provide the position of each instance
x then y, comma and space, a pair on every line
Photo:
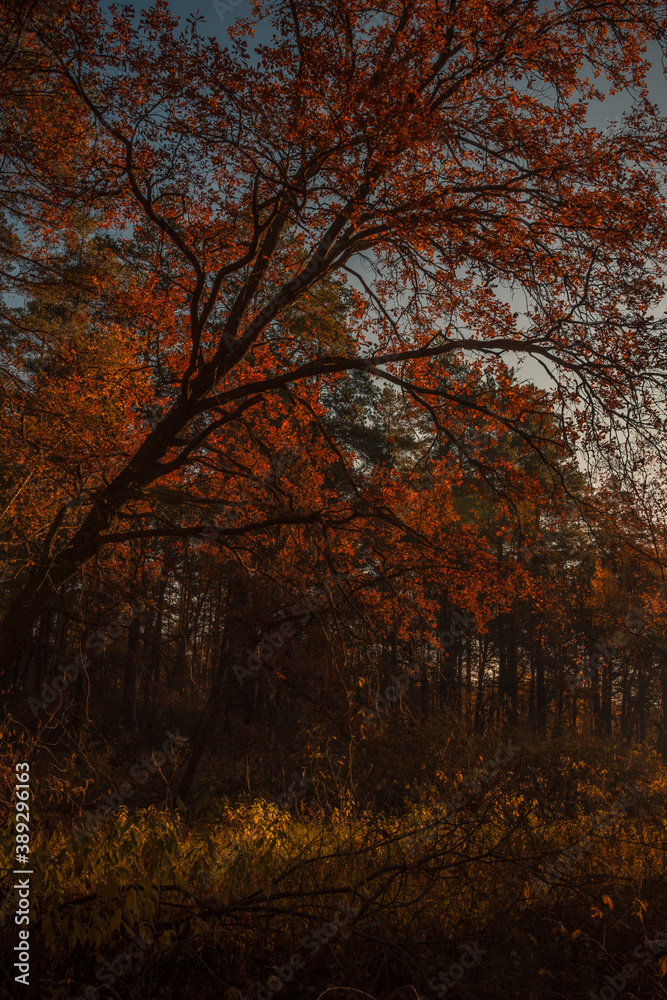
219, 15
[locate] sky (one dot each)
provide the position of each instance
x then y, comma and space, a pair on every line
219, 15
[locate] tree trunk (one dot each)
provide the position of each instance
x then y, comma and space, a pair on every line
225, 685
131, 679
508, 680
207, 726
607, 680
662, 738
644, 680
479, 700
468, 712
540, 685
425, 687
53, 570
153, 658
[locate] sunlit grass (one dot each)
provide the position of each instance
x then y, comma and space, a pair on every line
249, 880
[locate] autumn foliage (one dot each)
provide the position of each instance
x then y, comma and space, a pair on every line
332, 367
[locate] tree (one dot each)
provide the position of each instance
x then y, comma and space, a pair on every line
440, 153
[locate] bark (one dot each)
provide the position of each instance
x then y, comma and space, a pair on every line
425, 687
540, 685
607, 678
131, 679
643, 681
146, 638
508, 680
207, 726
662, 737
479, 700
468, 709
54, 569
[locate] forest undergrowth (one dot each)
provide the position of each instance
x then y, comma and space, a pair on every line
380, 887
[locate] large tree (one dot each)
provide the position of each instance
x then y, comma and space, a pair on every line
434, 154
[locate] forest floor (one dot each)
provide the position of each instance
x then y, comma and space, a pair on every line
526, 869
